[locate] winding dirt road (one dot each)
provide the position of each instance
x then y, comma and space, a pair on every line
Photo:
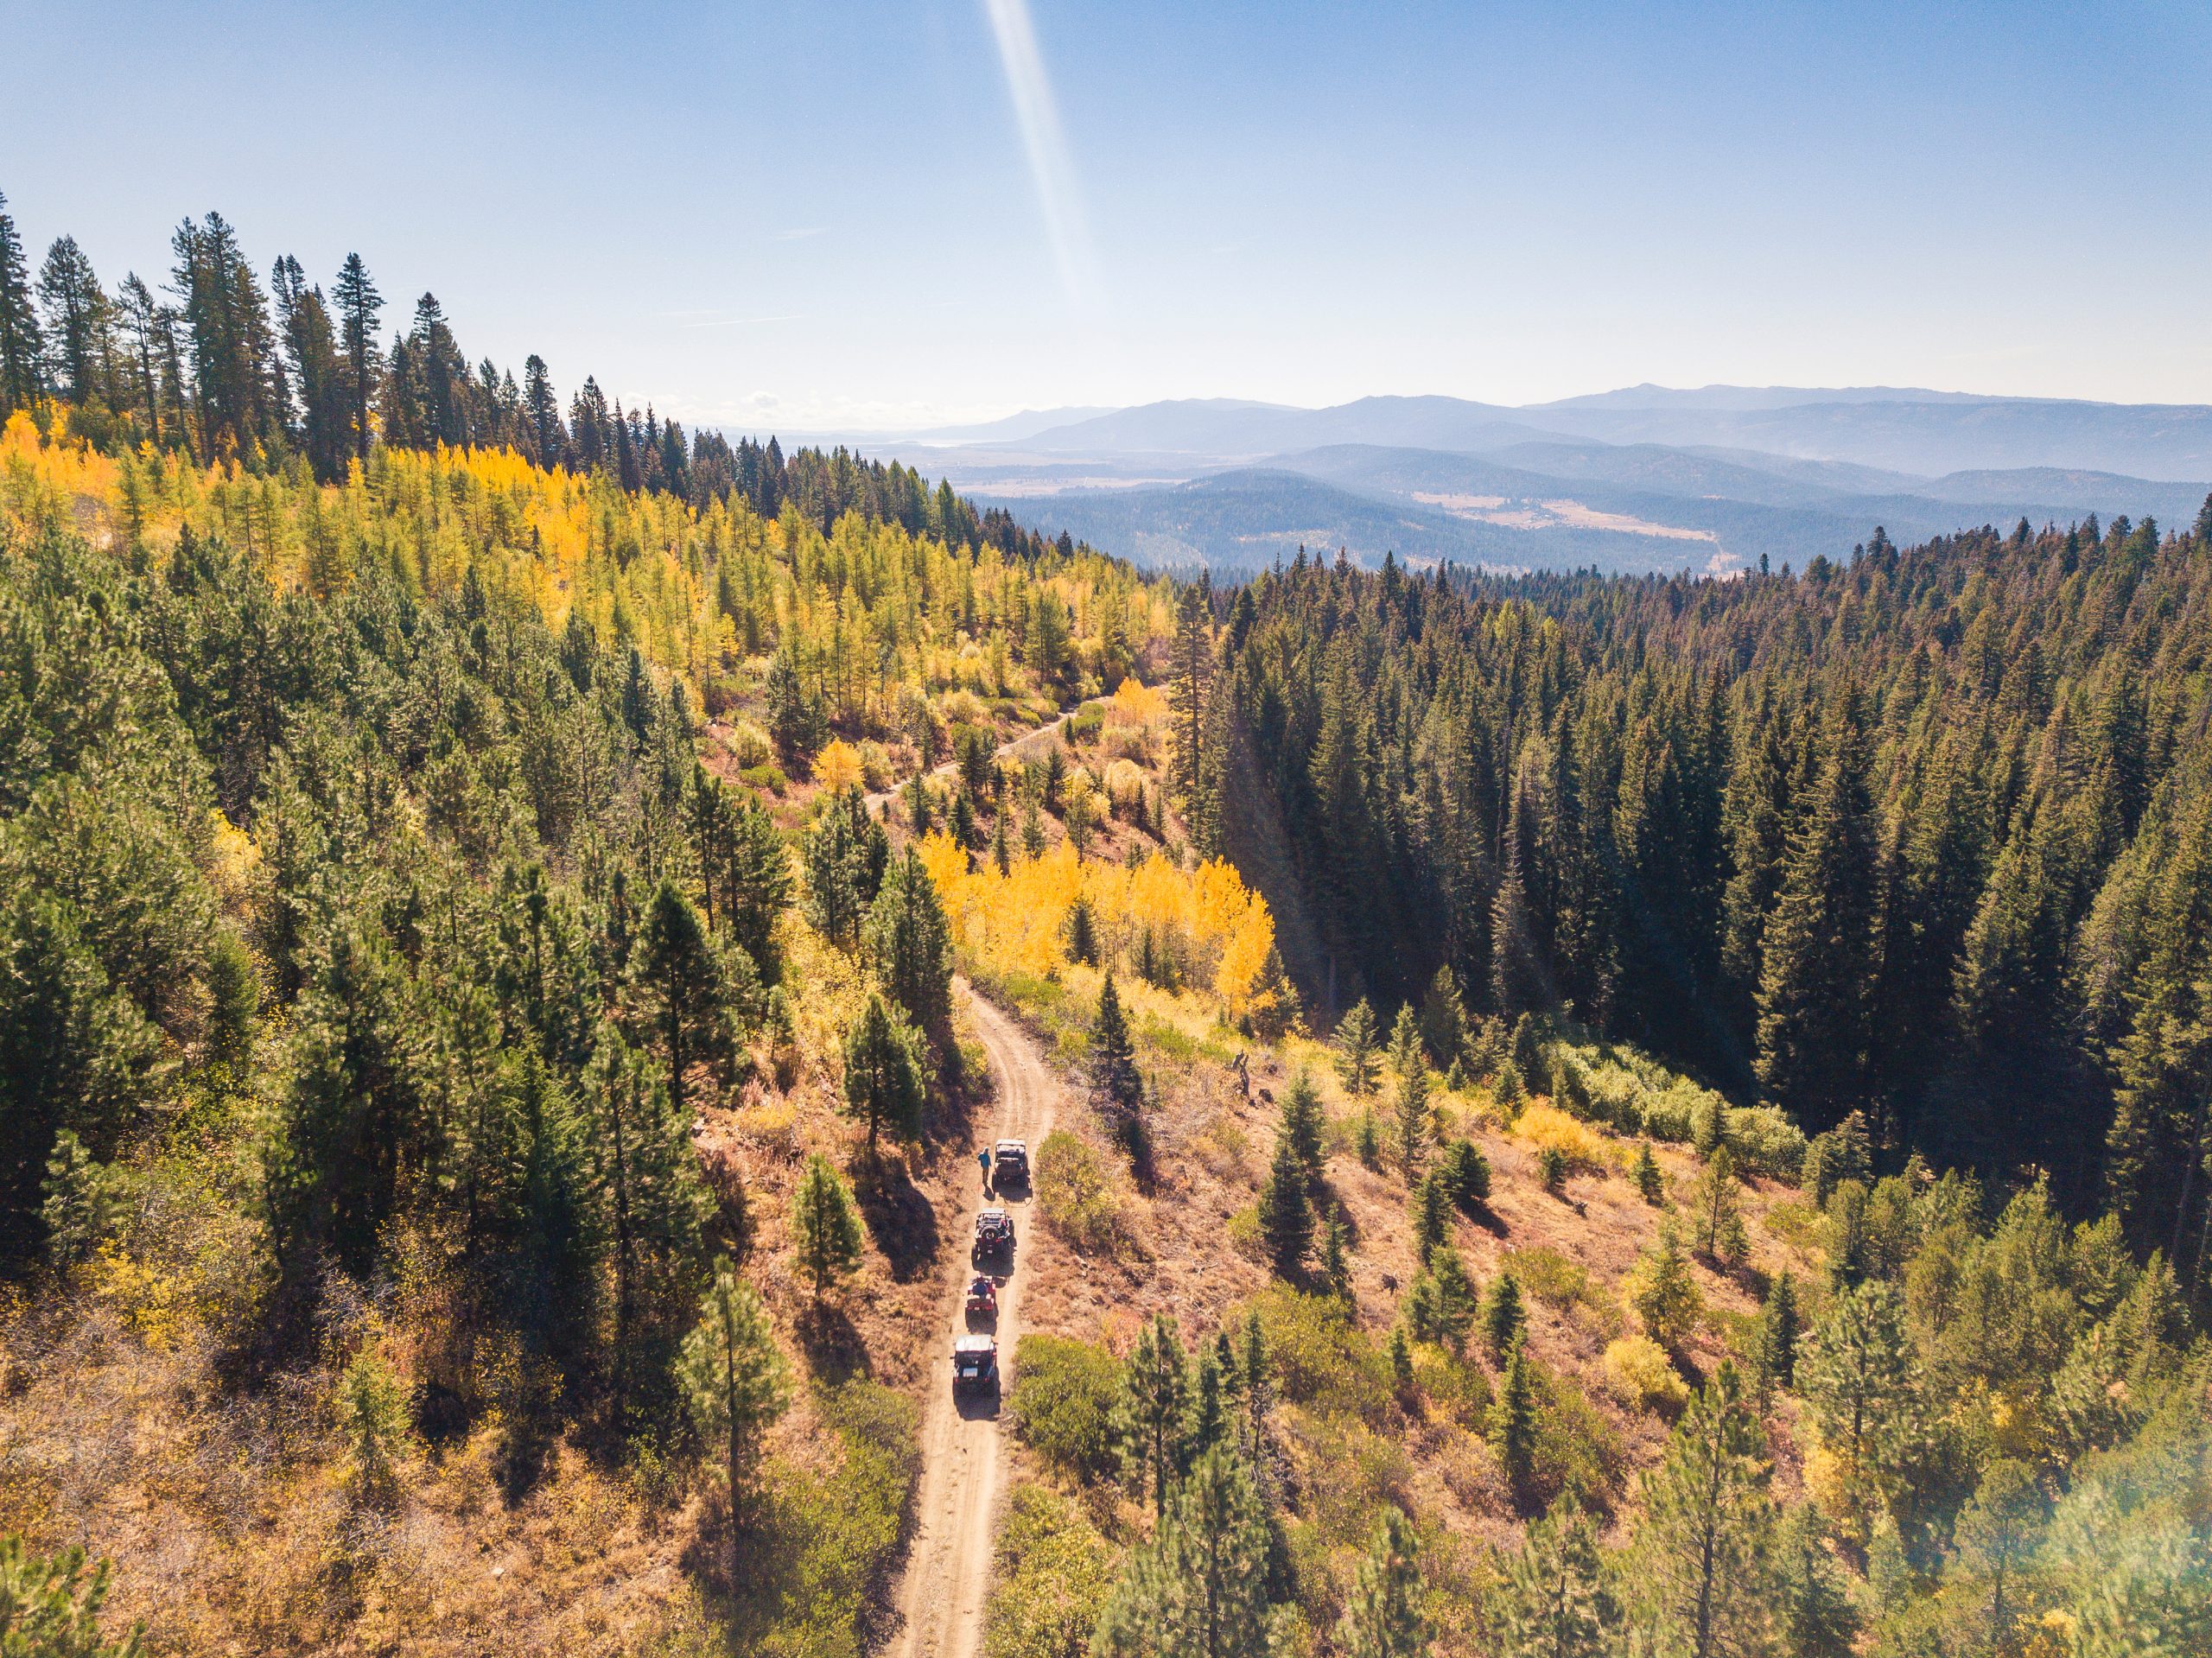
1026, 745
949, 1568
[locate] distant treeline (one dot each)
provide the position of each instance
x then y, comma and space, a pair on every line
216, 364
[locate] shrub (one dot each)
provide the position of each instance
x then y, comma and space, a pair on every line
1640, 1373
1054, 1574
1548, 1275
1547, 1126
1319, 1358
1064, 1396
1455, 1385
839, 1533
1575, 1445
767, 777
1245, 1233
1075, 1196
1765, 1141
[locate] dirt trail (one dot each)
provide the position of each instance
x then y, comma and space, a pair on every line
1028, 746
949, 1568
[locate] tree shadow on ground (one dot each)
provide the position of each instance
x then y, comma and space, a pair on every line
899, 1218
835, 1352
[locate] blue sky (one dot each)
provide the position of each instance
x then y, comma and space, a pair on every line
811, 216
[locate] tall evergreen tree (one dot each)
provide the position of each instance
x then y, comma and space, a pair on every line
359, 306
1386, 1615
1114, 1082
1818, 951
693, 992
735, 1382
1286, 1214
910, 942
78, 317
1356, 1045
23, 345
656, 1207
1155, 1406
825, 1227
1197, 1590
1556, 1600
883, 1070
1703, 1547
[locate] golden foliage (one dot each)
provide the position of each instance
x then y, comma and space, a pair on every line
1542, 1125
1207, 920
870, 607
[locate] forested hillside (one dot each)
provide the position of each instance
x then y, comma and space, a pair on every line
1921, 834
487, 1118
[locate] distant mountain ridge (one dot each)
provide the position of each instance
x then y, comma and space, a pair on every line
1923, 434
1643, 477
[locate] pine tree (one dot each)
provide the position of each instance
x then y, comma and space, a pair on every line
1663, 1293
1510, 1092
1556, 1600
910, 942
797, 723
1432, 1214
1155, 1409
1717, 1210
1286, 1215
1367, 1144
1818, 949
825, 1227
86, 1201
1252, 1367
1816, 1617
1466, 1175
1209, 1423
1413, 1114
1336, 1266
735, 1382
1779, 1327
1301, 1128
1190, 681
78, 317
1862, 1387
847, 855
1512, 1429
1387, 1616
1455, 1298
693, 992
1651, 1184
1355, 1044
1443, 1019
1197, 1589
1998, 1534
1402, 1363
883, 1071
1701, 1556
22, 348
358, 304
53, 1604
1114, 1082
655, 1206
1503, 1316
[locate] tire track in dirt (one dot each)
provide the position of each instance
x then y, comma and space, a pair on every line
948, 1566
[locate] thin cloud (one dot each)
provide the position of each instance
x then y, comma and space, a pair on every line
1039, 115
